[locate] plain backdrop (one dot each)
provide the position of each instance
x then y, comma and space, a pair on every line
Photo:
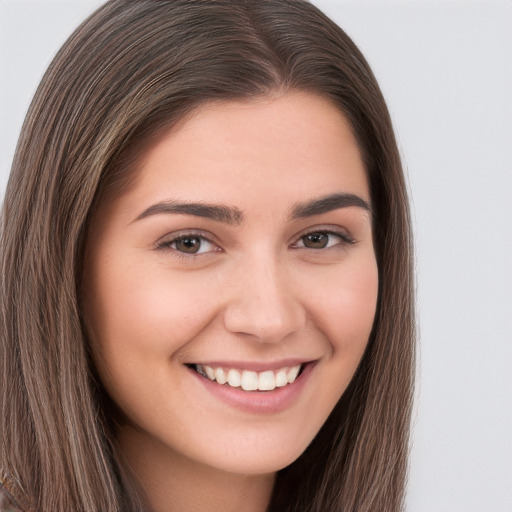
445, 68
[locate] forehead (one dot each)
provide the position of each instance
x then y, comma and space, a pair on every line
295, 129
285, 149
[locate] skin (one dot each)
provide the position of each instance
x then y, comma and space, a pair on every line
256, 291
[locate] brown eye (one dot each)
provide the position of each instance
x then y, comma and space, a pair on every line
323, 240
316, 240
188, 244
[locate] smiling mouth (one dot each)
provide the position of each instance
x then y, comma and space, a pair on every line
248, 380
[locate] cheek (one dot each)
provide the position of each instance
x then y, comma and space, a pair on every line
147, 307
345, 314
137, 321
345, 310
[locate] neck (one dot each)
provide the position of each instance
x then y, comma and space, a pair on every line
172, 482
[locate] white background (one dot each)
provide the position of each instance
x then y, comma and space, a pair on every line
446, 70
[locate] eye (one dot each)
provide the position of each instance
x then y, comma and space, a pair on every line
190, 244
323, 240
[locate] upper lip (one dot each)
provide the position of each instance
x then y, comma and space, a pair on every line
256, 366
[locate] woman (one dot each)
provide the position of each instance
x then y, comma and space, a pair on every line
206, 266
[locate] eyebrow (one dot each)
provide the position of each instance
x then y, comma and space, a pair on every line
233, 216
220, 213
329, 203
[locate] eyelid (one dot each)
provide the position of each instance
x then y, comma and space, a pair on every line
343, 234
165, 242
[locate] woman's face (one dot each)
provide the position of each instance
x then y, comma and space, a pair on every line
243, 251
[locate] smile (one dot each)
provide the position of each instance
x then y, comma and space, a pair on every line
249, 380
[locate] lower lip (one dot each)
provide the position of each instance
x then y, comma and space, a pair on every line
258, 402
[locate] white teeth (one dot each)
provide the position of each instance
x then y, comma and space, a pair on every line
266, 381
234, 378
220, 376
209, 372
281, 379
251, 380
292, 373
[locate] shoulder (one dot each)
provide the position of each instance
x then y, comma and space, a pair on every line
8, 501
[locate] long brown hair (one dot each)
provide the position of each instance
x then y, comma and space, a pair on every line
131, 69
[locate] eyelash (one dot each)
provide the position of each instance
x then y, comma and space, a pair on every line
344, 238
166, 244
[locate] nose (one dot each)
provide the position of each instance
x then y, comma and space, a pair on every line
264, 303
